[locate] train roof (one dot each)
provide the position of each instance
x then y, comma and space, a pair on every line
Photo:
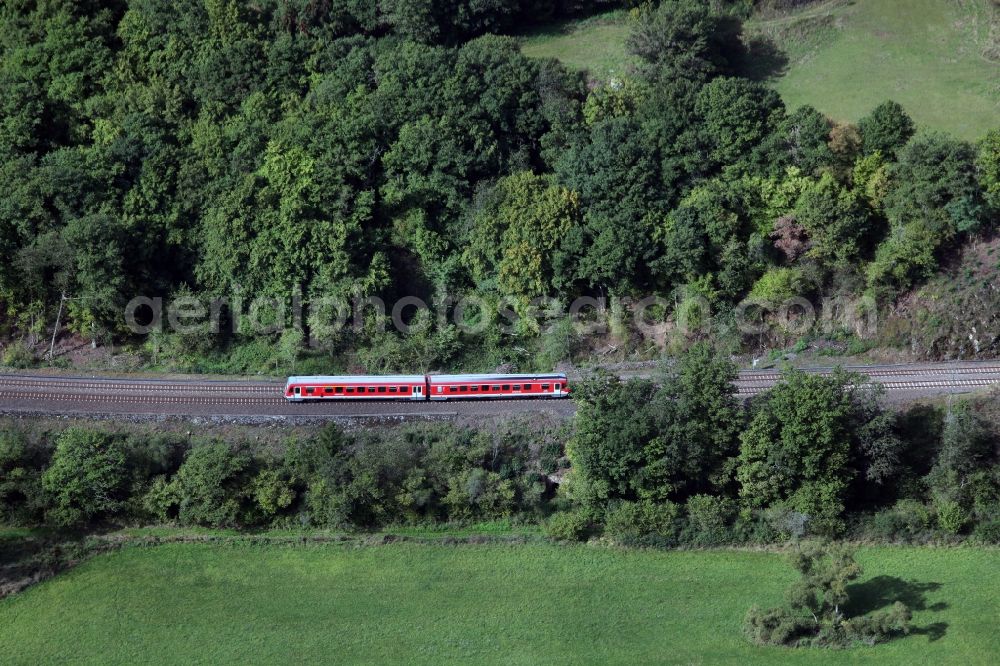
359, 379
444, 379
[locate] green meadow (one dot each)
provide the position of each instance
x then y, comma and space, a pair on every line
527, 603
940, 59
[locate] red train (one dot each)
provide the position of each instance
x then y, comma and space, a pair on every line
426, 387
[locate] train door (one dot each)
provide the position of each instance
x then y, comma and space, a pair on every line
418, 392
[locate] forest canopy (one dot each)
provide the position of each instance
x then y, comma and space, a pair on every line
336, 148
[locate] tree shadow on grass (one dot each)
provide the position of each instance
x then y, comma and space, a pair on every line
38, 554
883, 591
761, 60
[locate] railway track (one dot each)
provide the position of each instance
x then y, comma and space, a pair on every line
198, 397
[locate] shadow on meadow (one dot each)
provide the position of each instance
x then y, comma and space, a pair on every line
36, 555
883, 591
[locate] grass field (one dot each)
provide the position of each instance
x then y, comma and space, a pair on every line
928, 55
595, 44
535, 603
846, 56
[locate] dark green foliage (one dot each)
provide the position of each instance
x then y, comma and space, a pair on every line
839, 223
800, 445
346, 148
802, 140
614, 425
418, 475
683, 38
88, 478
886, 129
21, 497
643, 523
963, 478
737, 118
698, 419
213, 487
815, 614
614, 171
935, 202
907, 520
710, 520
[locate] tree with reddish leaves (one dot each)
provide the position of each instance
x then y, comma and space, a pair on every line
790, 238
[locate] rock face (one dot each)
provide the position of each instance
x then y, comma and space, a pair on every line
956, 315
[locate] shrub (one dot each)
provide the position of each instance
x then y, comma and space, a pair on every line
951, 516
272, 492
18, 355
709, 520
88, 477
779, 284
988, 532
642, 523
786, 523
21, 497
569, 526
162, 500
906, 520
816, 602
214, 487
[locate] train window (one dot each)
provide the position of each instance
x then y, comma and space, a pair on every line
464, 389
474, 388
517, 387
452, 389
392, 389
485, 387
545, 387
506, 387
350, 389
339, 389
371, 389
310, 389
381, 389
404, 389
328, 389
496, 388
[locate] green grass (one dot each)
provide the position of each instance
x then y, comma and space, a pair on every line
595, 44
845, 57
928, 55
535, 603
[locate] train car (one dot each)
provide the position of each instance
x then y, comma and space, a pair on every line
356, 387
469, 387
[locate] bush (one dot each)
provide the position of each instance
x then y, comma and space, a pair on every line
569, 526
88, 477
951, 516
162, 500
816, 602
785, 522
906, 520
18, 355
642, 523
988, 532
21, 498
213, 485
709, 520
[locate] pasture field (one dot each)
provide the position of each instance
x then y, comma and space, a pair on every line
931, 56
595, 44
424, 603
940, 59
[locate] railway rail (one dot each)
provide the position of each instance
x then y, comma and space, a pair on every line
29, 393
